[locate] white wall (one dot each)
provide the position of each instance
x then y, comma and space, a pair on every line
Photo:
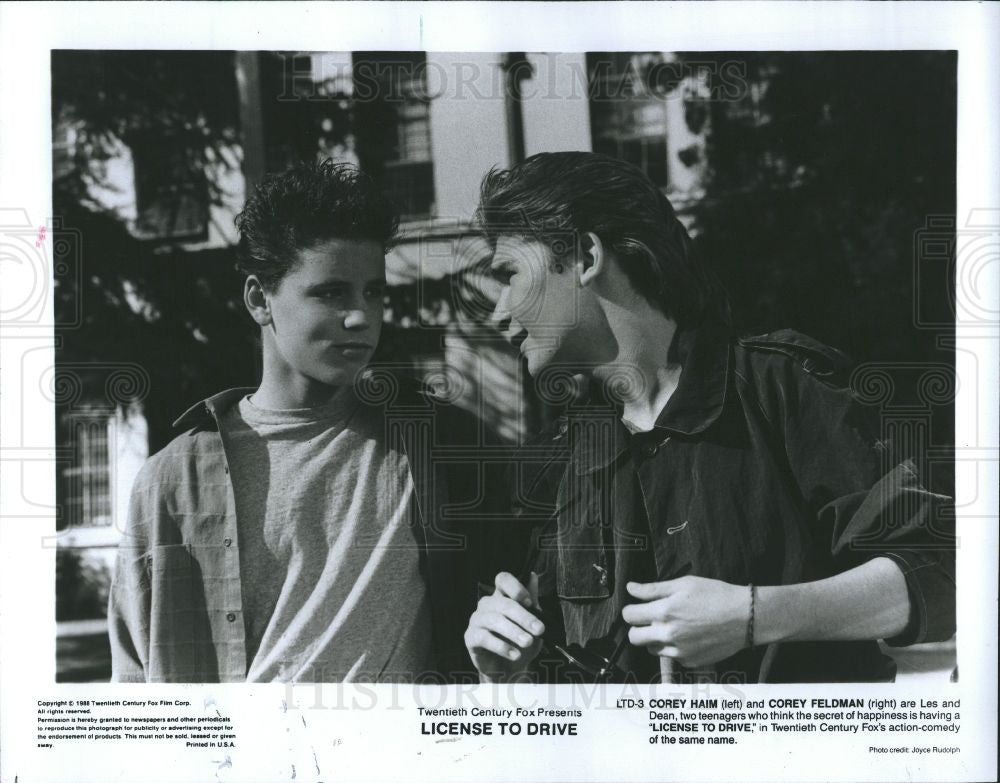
468, 127
128, 447
554, 104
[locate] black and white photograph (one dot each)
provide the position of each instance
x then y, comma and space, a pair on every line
617, 395
648, 317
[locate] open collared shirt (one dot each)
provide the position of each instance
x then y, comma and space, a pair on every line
176, 603
763, 468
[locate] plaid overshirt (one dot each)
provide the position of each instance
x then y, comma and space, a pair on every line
176, 604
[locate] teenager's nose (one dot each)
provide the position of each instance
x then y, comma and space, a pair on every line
357, 319
500, 318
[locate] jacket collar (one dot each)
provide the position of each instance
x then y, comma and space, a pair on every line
208, 410
704, 355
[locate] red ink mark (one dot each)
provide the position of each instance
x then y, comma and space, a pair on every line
41, 236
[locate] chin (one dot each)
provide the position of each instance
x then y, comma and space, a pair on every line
537, 362
342, 376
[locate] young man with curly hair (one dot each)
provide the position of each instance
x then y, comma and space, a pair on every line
726, 502
288, 534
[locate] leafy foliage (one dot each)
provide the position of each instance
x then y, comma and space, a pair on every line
818, 186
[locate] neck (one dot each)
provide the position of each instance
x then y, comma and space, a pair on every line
282, 388
293, 396
643, 336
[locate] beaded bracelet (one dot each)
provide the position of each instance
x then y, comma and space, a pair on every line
753, 606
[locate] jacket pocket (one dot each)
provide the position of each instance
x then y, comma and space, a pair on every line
584, 568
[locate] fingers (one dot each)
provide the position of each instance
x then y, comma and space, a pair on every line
503, 626
508, 585
479, 638
643, 635
646, 614
502, 606
500, 625
650, 591
511, 596
657, 641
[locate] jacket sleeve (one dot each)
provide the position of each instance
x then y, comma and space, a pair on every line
868, 497
129, 600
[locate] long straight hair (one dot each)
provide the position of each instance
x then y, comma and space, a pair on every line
556, 197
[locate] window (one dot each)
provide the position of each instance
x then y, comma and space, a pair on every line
367, 108
628, 119
171, 190
392, 111
87, 480
103, 453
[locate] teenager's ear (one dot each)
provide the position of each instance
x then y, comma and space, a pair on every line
255, 299
592, 259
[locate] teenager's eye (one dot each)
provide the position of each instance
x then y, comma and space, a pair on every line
503, 274
376, 291
329, 293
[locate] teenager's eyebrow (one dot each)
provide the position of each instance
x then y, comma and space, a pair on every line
337, 283
331, 283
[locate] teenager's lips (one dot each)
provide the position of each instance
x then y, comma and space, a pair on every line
354, 350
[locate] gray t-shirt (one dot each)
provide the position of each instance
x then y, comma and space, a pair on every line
329, 563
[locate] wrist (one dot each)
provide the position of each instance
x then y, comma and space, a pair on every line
774, 615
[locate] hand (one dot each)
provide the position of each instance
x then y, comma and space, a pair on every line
503, 637
694, 620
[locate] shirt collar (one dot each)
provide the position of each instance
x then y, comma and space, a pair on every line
704, 355
212, 407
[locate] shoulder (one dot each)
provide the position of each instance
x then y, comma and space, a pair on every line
796, 353
789, 347
786, 373
180, 461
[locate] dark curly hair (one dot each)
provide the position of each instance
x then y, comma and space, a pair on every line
309, 203
554, 197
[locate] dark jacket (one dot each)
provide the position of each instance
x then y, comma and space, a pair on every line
176, 611
763, 468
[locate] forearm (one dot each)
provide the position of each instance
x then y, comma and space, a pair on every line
868, 602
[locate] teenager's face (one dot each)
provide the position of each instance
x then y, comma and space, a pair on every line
326, 313
541, 308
